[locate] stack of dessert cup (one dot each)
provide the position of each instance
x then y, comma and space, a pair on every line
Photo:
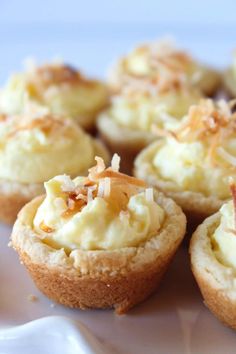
105, 239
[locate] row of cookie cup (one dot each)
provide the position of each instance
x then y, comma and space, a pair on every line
212, 251
57, 88
34, 149
102, 270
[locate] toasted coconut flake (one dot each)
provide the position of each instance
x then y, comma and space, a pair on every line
107, 187
102, 183
163, 132
46, 123
68, 185
82, 197
231, 231
226, 156
89, 195
70, 203
115, 163
101, 188
211, 122
100, 164
100, 167
149, 195
45, 228
122, 177
74, 208
168, 70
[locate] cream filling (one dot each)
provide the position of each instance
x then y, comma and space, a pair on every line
98, 225
223, 240
34, 155
187, 165
78, 101
141, 112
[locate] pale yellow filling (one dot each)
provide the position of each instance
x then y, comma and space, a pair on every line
142, 111
33, 154
188, 166
98, 225
160, 60
78, 100
223, 239
139, 63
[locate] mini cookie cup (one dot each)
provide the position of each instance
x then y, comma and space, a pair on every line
195, 205
118, 278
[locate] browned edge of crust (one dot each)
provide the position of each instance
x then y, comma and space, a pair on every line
205, 267
10, 206
12, 201
104, 287
120, 292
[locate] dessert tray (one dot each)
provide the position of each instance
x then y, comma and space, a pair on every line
174, 320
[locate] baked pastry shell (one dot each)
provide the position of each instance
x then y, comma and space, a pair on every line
14, 195
216, 281
195, 205
84, 279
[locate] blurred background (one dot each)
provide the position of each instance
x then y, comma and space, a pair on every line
91, 34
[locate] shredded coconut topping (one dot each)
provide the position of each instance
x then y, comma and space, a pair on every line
149, 195
168, 69
68, 185
211, 122
115, 162
102, 182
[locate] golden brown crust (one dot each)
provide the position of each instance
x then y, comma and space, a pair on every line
120, 292
86, 279
196, 206
210, 82
229, 83
216, 281
13, 196
126, 142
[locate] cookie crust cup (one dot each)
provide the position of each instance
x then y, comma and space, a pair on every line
59, 88
34, 149
152, 60
127, 125
100, 269
192, 164
213, 265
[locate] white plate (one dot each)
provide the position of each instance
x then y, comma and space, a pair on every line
174, 320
